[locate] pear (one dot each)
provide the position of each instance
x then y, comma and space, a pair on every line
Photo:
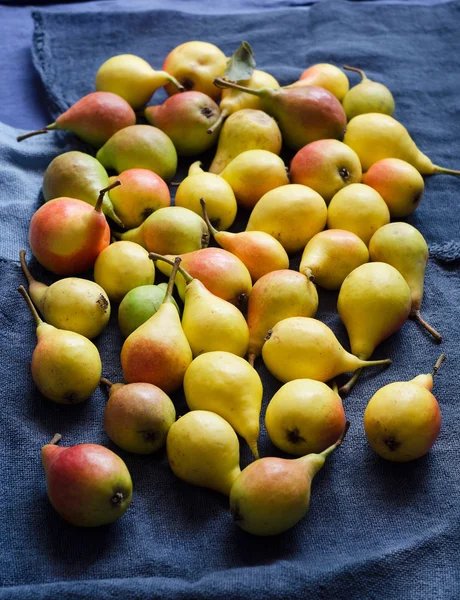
259, 251
87, 484
138, 416
304, 416
227, 385
218, 194
95, 118
246, 129
272, 494
399, 184
121, 267
358, 208
374, 136
170, 230
402, 419
204, 450
305, 348
78, 175
374, 302
326, 166
132, 78
220, 271
140, 147
304, 114
71, 303
326, 76
292, 214
158, 352
331, 255
404, 248
367, 97
234, 100
252, 174
277, 296
66, 366
140, 304
210, 323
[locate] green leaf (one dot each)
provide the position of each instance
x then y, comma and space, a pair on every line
240, 65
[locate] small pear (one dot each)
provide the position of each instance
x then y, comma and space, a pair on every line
331, 255
71, 303
252, 174
367, 97
210, 323
272, 494
358, 208
259, 251
403, 419
140, 147
138, 416
204, 450
292, 214
218, 194
374, 302
246, 129
326, 76
277, 296
170, 230
132, 78
399, 184
66, 366
374, 136
95, 118
227, 385
158, 352
404, 248
305, 348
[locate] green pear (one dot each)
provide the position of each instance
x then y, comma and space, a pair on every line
367, 97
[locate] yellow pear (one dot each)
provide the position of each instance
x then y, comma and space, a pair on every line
218, 194
204, 450
292, 214
327, 76
227, 385
367, 97
252, 174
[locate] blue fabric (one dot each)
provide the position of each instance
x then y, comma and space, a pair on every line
374, 529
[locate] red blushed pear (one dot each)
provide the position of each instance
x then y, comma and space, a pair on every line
327, 76
259, 251
67, 235
94, 118
88, 485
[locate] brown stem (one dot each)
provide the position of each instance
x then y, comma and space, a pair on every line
326, 452
223, 84
98, 206
415, 314
154, 256
31, 134
106, 382
212, 229
25, 268
223, 115
33, 310
345, 389
56, 439
251, 358
360, 71
172, 277
439, 362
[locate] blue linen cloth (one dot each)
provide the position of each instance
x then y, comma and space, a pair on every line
374, 529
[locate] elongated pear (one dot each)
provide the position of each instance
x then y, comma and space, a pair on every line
274, 297
227, 385
66, 366
158, 352
404, 248
374, 136
272, 494
210, 323
259, 251
305, 348
367, 97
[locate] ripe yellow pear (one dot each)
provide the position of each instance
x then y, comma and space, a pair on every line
403, 419
292, 214
327, 76
227, 385
204, 450
367, 97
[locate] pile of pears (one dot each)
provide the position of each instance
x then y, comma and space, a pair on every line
110, 229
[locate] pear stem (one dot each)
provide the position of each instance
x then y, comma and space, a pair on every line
31, 134
172, 277
56, 439
309, 274
439, 362
345, 389
334, 386
223, 115
212, 229
223, 84
33, 310
325, 453
415, 314
360, 71
172, 79
106, 382
25, 268
437, 169
251, 359
154, 256
98, 206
